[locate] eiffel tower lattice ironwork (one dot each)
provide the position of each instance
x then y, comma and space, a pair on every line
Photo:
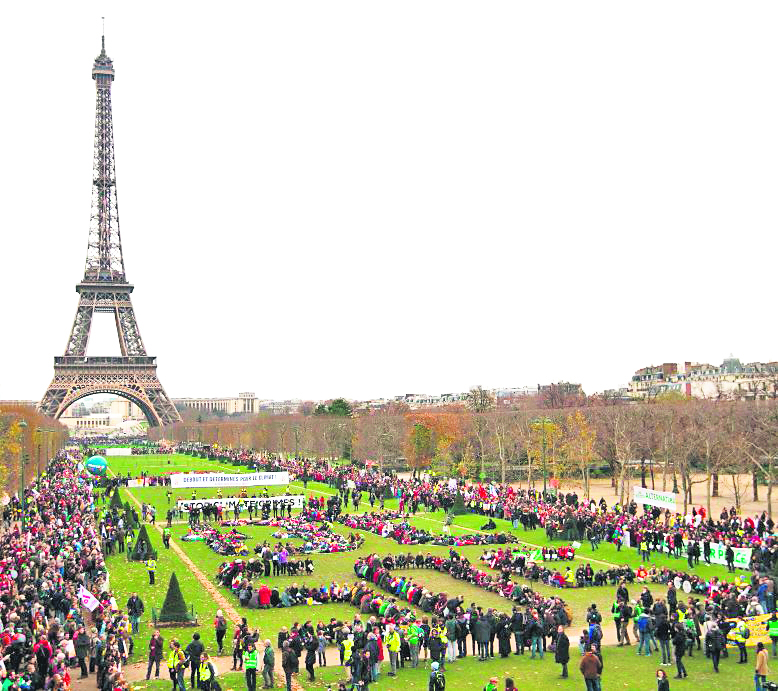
133, 375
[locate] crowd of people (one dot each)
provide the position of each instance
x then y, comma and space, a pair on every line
561, 515
49, 572
702, 619
233, 542
394, 525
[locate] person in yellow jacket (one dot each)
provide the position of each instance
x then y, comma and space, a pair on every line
151, 567
207, 672
570, 578
739, 633
393, 646
176, 664
348, 649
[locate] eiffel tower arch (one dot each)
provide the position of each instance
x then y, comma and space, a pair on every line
133, 375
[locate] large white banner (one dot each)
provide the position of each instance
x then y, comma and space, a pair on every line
228, 479
119, 451
718, 551
653, 497
296, 501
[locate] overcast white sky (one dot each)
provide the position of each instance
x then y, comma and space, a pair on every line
367, 199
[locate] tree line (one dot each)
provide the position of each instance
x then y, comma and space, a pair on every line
670, 445
26, 434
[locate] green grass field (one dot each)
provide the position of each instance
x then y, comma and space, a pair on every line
623, 668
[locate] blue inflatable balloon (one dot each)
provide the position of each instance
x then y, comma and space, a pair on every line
97, 465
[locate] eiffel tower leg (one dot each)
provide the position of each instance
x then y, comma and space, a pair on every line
82, 325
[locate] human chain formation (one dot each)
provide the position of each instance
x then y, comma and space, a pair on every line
387, 624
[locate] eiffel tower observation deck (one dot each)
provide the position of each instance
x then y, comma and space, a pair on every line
105, 288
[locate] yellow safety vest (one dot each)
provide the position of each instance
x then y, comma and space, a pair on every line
173, 659
151, 565
205, 671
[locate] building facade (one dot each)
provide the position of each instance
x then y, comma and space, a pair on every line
732, 380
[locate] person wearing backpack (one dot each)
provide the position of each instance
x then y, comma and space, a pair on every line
739, 634
208, 674
715, 644
491, 685
437, 679
643, 623
772, 630
220, 626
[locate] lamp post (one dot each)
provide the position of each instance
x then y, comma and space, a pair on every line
543, 421
38, 432
22, 459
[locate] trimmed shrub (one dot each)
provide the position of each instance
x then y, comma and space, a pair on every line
138, 552
174, 608
459, 505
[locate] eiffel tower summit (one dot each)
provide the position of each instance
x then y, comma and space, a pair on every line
133, 375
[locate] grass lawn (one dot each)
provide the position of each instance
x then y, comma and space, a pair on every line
623, 669
155, 464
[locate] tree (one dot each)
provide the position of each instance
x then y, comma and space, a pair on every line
420, 446
174, 608
479, 400
544, 445
578, 446
339, 407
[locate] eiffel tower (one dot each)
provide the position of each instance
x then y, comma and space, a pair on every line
105, 289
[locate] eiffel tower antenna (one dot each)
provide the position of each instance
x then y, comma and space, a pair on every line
104, 288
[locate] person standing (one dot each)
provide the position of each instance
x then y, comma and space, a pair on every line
135, 609
194, 652
151, 567
437, 680
662, 682
288, 664
562, 652
482, 638
414, 632
207, 672
220, 626
81, 644
176, 663
156, 651
679, 641
739, 633
393, 646
715, 644
772, 631
268, 663
663, 634
590, 667
250, 665
760, 671
311, 646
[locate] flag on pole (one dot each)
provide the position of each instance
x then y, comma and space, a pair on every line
87, 599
